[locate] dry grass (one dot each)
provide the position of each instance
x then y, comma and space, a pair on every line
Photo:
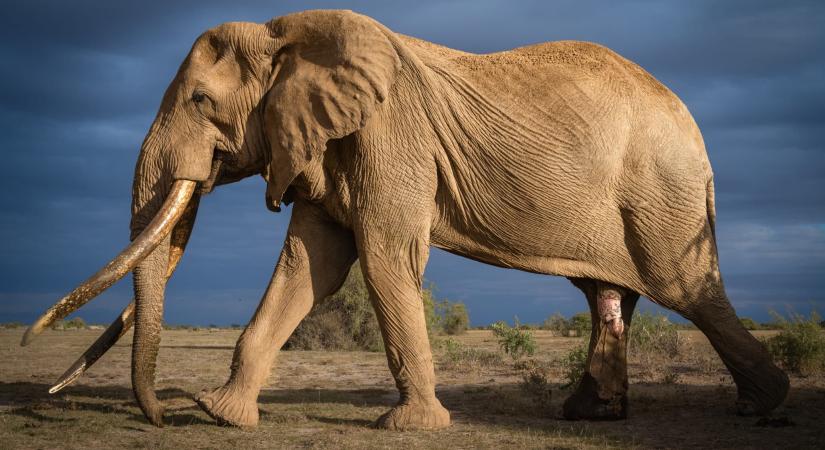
330, 399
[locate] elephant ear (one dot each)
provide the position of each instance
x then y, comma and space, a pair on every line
333, 69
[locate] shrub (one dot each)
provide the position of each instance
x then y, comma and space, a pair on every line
324, 330
514, 342
653, 335
443, 316
13, 325
749, 323
800, 345
76, 323
581, 323
574, 364
534, 383
343, 321
578, 325
557, 324
457, 356
168, 326
433, 320
346, 319
454, 317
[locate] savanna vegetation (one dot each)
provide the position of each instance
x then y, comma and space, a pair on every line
504, 386
346, 320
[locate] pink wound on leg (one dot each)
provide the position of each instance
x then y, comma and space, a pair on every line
610, 311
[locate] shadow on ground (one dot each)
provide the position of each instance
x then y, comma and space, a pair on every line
29, 399
661, 415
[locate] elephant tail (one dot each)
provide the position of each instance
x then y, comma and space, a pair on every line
711, 207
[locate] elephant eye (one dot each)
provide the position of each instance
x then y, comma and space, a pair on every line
198, 97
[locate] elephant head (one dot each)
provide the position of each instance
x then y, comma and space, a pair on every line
248, 99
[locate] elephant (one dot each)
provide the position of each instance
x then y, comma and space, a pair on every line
560, 158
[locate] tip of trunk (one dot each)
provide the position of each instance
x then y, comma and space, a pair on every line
151, 406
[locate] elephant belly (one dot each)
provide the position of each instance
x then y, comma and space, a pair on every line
554, 234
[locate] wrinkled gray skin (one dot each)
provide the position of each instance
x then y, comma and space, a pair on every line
560, 158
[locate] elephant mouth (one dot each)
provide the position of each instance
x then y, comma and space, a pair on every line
221, 163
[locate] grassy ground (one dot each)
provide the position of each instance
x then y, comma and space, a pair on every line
330, 399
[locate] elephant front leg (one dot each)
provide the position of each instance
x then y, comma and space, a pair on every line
602, 392
393, 272
314, 262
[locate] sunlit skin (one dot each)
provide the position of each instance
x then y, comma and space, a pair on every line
559, 158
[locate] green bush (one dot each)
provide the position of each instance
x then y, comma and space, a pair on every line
430, 316
800, 345
574, 364
749, 323
557, 324
653, 335
581, 323
343, 321
12, 325
454, 317
443, 316
514, 342
73, 324
578, 325
536, 385
346, 319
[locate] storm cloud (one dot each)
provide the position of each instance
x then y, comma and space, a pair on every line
80, 83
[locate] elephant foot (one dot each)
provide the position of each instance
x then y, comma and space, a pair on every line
415, 416
761, 392
586, 404
228, 408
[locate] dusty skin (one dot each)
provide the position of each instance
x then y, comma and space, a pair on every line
560, 158
330, 400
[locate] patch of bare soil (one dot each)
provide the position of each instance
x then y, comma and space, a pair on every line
330, 400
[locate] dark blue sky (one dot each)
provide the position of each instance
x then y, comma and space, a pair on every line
80, 83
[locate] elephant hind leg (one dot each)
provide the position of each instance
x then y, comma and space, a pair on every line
761, 386
699, 295
602, 392
677, 261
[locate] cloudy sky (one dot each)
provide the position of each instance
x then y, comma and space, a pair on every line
80, 83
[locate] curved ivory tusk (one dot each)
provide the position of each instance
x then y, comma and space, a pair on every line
106, 340
160, 226
122, 324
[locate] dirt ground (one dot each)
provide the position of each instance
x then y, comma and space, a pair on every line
330, 400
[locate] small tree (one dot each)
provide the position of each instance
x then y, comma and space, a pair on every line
514, 342
346, 319
575, 364
800, 346
432, 318
557, 324
454, 317
653, 335
75, 323
749, 323
581, 323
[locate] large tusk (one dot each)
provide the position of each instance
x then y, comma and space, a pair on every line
160, 226
122, 324
106, 340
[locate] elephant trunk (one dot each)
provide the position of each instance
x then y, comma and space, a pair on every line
149, 282
123, 323
150, 195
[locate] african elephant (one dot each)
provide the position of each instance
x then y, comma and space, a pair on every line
560, 158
